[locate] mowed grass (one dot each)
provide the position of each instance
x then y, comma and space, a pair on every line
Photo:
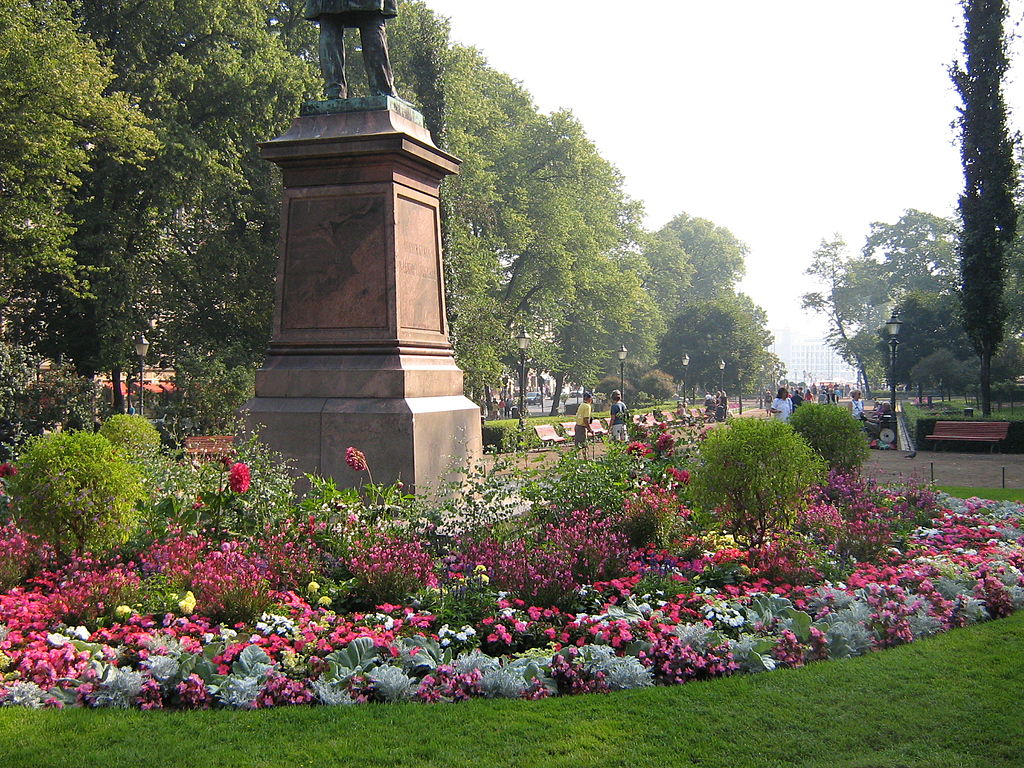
947, 702
992, 494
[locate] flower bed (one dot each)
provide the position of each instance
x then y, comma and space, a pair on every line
610, 584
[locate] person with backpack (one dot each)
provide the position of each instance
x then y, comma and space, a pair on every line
617, 422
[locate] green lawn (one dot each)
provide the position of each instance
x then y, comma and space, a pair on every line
952, 701
994, 494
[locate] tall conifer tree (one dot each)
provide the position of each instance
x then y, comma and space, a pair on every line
987, 208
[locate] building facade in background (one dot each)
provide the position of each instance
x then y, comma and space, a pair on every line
809, 358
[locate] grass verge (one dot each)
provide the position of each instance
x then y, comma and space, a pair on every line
947, 702
993, 494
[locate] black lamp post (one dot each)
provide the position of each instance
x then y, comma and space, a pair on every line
622, 368
686, 362
141, 347
523, 340
721, 374
892, 327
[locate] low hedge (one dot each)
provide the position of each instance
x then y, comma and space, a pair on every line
925, 425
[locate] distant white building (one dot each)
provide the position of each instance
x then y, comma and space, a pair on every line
810, 359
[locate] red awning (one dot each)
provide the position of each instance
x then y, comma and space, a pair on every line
156, 388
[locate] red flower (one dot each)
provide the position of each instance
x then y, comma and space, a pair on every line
8, 470
355, 459
680, 475
239, 478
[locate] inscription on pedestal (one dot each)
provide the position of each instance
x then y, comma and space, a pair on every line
334, 275
419, 255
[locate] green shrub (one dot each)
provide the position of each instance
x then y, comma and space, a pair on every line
658, 384
754, 474
133, 433
76, 491
503, 436
833, 433
579, 483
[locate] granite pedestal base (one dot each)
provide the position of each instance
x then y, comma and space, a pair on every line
360, 354
418, 440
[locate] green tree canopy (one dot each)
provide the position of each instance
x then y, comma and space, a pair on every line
60, 118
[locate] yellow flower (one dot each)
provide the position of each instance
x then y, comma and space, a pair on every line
324, 601
312, 587
122, 612
481, 568
485, 579
188, 603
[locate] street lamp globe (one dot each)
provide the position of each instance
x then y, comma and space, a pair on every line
622, 352
893, 325
523, 340
141, 346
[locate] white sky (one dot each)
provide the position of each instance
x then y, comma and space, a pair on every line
783, 120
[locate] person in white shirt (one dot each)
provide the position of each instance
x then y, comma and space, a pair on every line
857, 404
782, 406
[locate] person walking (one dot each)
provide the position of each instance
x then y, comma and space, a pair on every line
584, 415
617, 421
797, 398
721, 406
782, 406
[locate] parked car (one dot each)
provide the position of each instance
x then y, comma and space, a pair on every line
534, 398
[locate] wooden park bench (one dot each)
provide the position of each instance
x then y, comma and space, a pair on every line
971, 431
209, 447
547, 435
600, 430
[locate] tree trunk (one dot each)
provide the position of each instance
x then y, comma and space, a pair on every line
117, 403
557, 394
867, 384
986, 381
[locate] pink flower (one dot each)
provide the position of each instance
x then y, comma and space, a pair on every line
8, 470
355, 459
239, 477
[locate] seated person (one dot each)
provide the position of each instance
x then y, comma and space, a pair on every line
872, 422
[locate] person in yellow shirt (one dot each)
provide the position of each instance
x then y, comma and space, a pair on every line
584, 415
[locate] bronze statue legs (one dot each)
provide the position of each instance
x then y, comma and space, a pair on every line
376, 59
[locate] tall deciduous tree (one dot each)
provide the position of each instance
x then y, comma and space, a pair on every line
727, 327
987, 209
59, 120
917, 253
855, 298
190, 239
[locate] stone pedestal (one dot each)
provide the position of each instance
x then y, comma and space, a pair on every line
360, 353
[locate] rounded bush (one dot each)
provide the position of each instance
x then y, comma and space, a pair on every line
76, 491
131, 432
833, 433
754, 474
